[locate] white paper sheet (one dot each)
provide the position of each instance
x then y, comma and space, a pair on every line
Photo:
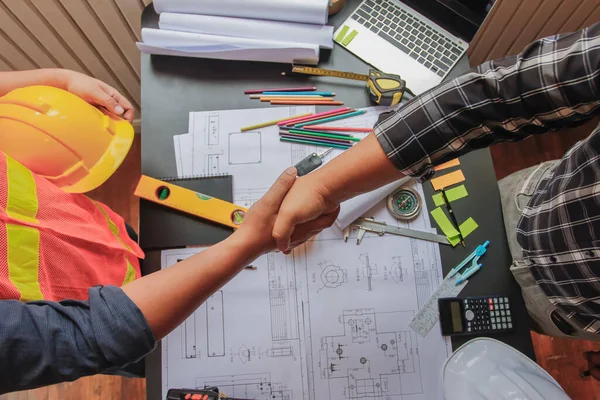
305, 11
319, 35
328, 322
186, 44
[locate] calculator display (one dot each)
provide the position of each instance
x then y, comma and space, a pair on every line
457, 325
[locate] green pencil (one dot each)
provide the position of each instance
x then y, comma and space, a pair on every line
326, 135
284, 139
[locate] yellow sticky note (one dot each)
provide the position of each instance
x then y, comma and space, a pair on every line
342, 33
466, 228
452, 194
449, 164
447, 180
444, 223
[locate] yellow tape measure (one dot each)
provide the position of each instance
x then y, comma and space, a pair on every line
188, 201
384, 89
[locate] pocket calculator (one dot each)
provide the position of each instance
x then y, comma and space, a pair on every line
475, 315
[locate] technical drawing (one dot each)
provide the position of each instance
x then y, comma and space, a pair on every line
300, 151
375, 357
247, 197
368, 270
245, 148
282, 296
188, 339
395, 272
212, 163
247, 386
212, 130
245, 354
427, 273
332, 276
215, 325
281, 349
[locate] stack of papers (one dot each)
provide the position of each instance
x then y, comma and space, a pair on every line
260, 30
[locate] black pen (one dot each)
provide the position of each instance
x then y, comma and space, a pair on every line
453, 218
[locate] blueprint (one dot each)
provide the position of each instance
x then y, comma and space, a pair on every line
215, 146
330, 320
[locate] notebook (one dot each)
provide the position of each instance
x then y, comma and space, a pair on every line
163, 227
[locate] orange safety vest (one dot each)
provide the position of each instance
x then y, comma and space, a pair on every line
56, 245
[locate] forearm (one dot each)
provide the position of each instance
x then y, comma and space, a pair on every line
362, 168
47, 76
168, 297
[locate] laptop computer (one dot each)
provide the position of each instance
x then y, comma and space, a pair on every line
419, 40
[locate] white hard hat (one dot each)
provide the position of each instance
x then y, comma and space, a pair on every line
485, 368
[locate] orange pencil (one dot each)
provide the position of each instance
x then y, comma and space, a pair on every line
295, 99
306, 103
338, 128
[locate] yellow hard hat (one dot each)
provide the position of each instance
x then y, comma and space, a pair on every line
63, 138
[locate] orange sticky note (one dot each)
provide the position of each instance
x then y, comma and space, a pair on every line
447, 180
449, 164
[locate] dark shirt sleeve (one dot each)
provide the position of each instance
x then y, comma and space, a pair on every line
553, 84
45, 342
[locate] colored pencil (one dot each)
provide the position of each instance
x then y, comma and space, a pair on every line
329, 119
315, 131
306, 103
315, 116
287, 96
331, 141
337, 146
292, 89
324, 135
338, 128
299, 93
273, 98
268, 123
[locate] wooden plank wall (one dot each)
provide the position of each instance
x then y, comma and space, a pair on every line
512, 24
96, 37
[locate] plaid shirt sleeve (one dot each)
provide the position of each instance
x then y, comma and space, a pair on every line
553, 84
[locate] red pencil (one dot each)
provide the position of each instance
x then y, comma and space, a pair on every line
315, 116
306, 103
293, 89
337, 128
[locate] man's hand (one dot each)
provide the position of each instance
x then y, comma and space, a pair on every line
98, 93
258, 223
305, 204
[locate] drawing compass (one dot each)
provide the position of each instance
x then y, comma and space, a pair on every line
365, 225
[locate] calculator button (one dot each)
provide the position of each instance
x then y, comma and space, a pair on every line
468, 329
504, 326
500, 300
493, 320
490, 300
507, 312
509, 325
469, 315
508, 319
503, 319
502, 313
495, 301
506, 299
493, 326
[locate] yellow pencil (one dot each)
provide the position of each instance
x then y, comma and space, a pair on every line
269, 123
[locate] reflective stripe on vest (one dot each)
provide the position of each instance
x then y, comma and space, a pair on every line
23, 242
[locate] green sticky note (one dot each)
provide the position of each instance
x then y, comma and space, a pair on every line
349, 38
342, 33
452, 194
466, 228
444, 223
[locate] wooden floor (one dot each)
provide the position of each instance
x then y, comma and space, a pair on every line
562, 358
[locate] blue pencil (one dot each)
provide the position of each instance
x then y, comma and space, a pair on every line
334, 118
298, 94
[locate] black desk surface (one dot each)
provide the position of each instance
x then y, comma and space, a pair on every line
174, 86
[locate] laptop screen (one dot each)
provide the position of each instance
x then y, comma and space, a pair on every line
462, 18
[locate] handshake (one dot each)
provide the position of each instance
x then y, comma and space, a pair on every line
291, 212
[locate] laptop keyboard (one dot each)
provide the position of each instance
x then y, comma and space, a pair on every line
404, 30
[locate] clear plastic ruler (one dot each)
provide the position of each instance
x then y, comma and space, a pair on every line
429, 314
